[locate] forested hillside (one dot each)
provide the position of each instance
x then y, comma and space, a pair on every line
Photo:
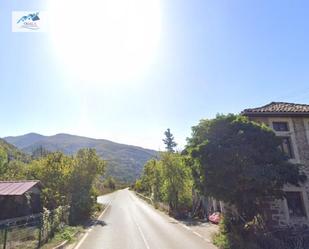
125, 162
13, 152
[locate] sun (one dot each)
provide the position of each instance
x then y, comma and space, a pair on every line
105, 40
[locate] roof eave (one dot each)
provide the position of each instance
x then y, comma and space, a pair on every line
277, 114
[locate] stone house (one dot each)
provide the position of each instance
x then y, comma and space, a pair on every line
291, 122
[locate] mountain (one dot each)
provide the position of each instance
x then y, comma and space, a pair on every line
125, 162
13, 152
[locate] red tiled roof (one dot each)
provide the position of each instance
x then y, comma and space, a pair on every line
16, 187
279, 108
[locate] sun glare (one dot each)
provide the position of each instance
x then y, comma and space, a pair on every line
105, 40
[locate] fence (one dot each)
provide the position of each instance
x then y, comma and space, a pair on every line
30, 232
145, 198
159, 205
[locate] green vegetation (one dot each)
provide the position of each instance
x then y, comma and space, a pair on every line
168, 180
39, 152
239, 162
177, 183
243, 157
65, 234
106, 185
228, 158
12, 162
12, 152
169, 141
124, 162
66, 180
110, 183
87, 167
72, 181
55, 173
232, 160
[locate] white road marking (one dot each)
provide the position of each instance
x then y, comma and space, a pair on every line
138, 226
142, 234
181, 224
191, 230
90, 229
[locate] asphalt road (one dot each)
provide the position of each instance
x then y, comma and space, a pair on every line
131, 223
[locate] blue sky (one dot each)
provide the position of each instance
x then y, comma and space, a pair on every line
212, 57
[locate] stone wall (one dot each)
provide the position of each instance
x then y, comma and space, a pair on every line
278, 209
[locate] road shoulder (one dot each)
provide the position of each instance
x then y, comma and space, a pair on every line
204, 230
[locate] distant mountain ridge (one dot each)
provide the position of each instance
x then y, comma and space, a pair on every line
125, 161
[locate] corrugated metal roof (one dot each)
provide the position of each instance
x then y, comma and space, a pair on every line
16, 187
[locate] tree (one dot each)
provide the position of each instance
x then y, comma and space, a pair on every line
54, 171
15, 170
240, 163
87, 167
138, 186
169, 141
3, 162
169, 180
110, 183
177, 182
152, 178
39, 152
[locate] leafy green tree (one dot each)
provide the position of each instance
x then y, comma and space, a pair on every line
177, 182
169, 141
239, 162
138, 186
3, 162
169, 180
54, 171
87, 167
152, 179
110, 183
16, 170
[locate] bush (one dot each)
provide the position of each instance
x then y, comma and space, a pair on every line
233, 235
221, 241
66, 235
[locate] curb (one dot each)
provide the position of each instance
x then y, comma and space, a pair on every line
76, 246
145, 197
64, 243
180, 223
79, 233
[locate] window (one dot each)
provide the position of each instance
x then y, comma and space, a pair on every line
280, 126
295, 204
286, 147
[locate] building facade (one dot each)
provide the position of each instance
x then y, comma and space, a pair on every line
291, 122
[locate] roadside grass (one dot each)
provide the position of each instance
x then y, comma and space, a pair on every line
220, 240
21, 238
97, 210
68, 233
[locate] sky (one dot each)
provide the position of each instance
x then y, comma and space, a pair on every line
169, 64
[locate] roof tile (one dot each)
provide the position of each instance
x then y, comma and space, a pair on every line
279, 108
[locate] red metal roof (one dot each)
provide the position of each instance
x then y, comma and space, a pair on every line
16, 187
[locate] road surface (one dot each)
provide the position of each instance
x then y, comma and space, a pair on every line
131, 223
